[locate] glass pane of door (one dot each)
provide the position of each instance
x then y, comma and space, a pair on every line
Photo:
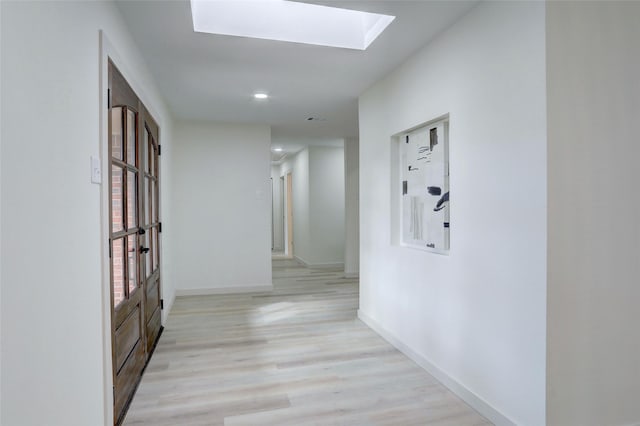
131, 137
132, 199
117, 260
147, 210
145, 152
153, 201
155, 247
132, 262
152, 157
147, 255
117, 140
117, 206
156, 205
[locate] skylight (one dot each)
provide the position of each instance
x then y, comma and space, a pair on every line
292, 21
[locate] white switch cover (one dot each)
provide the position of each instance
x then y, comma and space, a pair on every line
96, 170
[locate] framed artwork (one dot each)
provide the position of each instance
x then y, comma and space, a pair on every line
424, 175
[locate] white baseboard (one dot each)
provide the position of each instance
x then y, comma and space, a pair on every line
326, 265
318, 265
281, 257
462, 392
224, 290
351, 275
300, 260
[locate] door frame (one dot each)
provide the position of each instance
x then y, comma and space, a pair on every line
109, 53
130, 309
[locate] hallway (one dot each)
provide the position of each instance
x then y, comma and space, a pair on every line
296, 356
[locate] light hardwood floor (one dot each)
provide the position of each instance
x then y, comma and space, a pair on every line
296, 356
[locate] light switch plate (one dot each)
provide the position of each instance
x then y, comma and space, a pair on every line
96, 170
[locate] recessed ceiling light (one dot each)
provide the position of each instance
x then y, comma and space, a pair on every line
260, 95
277, 149
291, 21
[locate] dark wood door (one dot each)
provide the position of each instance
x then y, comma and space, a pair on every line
133, 331
152, 229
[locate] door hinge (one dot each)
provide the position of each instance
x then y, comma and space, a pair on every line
108, 98
159, 150
161, 303
109, 248
114, 395
160, 227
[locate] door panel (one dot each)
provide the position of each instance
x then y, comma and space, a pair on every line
153, 299
153, 328
127, 379
127, 335
135, 318
151, 226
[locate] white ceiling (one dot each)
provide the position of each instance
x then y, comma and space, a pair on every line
213, 77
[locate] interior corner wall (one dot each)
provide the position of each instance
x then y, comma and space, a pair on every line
318, 205
351, 207
222, 207
277, 212
53, 344
475, 318
167, 238
0, 218
593, 62
298, 166
326, 205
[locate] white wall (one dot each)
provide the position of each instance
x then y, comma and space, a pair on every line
53, 348
278, 229
300, 191
0, 219
475, 318
167, 240
326, 206
222, 207
351, 207
593, 62
298, 165
318, 205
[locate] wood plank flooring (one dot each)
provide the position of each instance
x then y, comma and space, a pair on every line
295, 356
